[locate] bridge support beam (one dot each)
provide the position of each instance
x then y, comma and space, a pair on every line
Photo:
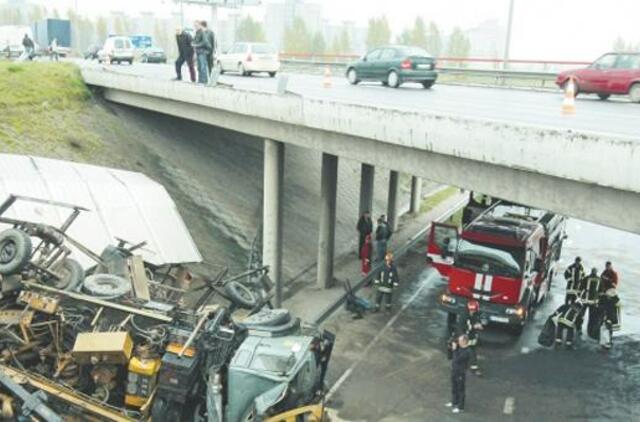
326, 241
272, 213
392, 204
416, 195
367, 178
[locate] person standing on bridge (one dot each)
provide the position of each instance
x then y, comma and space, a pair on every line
364, 228
211, 38
460, 358
185, 54
383, 234
610, 305
203, 48
574, 274
387, 281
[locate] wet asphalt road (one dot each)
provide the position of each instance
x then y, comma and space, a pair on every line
614, 117
404, 374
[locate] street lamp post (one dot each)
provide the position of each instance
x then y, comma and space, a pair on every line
507, 45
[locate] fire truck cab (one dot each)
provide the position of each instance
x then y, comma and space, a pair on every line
505, 258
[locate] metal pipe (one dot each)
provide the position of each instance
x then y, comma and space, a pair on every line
507, 46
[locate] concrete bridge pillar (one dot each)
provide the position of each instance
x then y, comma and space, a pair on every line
367, 177
326, 241
392, 206
272, 213
416, 194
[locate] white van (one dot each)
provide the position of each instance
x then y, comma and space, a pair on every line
116, 50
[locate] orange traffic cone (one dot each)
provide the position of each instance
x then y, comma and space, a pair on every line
569, 103
326, 82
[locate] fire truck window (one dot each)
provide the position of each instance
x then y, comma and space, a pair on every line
501, 261
445, 237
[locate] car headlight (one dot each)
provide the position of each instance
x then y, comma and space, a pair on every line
518, 311
445, 298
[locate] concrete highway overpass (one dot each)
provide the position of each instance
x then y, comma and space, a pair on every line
506, 143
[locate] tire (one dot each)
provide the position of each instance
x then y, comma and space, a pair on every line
393, 79
517, 330
241, 295
106, 286
15, 251
220, 67
427, 84
72, 275
241, 70
272, 74
634, 93
604, 97
352, 77
451, 321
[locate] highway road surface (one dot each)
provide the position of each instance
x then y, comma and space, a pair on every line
532, 108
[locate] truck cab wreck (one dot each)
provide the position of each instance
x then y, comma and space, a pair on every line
119, 338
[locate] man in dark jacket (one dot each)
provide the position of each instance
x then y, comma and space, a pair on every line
383, 233
185, 54
29, 47
211, 38
387, 280
610, 305
574, 274
567, 316
364, 227
203, 49
460, 359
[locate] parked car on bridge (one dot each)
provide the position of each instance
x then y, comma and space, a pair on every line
394, 65
248, 58
153, 55
611, 74
116, 50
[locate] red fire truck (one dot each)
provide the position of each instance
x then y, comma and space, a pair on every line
505, 258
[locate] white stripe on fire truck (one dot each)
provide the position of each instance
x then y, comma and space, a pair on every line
488, 283
478, 282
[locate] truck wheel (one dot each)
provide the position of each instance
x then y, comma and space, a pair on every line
517, 330
106, 286
241, 295
72, 274
15, 251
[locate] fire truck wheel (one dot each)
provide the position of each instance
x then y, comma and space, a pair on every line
72, 274
15, 251
241, 295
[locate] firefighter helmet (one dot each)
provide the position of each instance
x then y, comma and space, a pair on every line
473, 305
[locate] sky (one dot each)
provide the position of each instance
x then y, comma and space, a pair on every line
542, 29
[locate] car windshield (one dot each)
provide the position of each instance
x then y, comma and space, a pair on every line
262, 49
489, 259
415, 51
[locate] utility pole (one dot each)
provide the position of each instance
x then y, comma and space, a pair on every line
505, 63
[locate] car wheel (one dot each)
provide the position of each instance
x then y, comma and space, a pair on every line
272, 74
634, 93
604, 97
221, 68
15, 251
352, 77
427, 84
393, 79
241, 70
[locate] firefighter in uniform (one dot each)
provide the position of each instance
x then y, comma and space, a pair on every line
590, 298
574, 274
387, 280
567, 317
610, 304
470, 324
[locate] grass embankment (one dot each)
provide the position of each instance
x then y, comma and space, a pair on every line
432, 201
45, 109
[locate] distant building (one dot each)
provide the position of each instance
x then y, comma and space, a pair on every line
279, 16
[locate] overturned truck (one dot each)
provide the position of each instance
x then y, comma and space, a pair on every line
122, 339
